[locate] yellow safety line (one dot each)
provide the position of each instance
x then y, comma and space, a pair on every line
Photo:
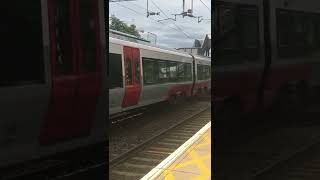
175, 155
195, 160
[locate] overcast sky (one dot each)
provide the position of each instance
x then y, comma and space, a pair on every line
166, 33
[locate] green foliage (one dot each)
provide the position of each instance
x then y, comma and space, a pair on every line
118, 25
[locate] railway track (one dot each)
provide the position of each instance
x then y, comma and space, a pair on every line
262, 155
84, 162
304, 165
130, 133
256, 158
138, 161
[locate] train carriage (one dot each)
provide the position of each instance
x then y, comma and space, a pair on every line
52, 77
141, 75
241, 70
203, 75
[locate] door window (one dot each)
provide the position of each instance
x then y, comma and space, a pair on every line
137, 71
87, 32
63, 37
128, 71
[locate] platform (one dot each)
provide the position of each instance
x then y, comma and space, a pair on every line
192, 160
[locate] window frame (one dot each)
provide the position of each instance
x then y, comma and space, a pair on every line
36, 72
121, 84
305, 48
144, 59
203, 72
239, 47
169, 79
128, 72
91, 64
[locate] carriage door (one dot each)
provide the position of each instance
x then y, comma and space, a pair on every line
60, 119
75, 71
88, 64
132, 76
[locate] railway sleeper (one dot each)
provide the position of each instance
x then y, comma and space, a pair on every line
129, 167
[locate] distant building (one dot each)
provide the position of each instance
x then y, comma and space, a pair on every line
200, 47
197, 43
206, 46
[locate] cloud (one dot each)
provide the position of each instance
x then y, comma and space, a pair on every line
169, 33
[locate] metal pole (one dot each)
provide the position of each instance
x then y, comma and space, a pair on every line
192, 6
154, 35
267, 51
182, 5
147, 8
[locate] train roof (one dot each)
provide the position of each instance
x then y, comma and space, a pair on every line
148, 47
126, 37
203, 58
311, 6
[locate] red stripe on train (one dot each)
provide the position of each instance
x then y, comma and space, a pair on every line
244, 84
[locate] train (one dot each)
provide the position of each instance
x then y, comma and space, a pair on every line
144, 74
53, 84
266, 54
55, 76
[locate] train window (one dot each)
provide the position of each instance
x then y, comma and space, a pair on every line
311, 36
63, 37
203, 72
227, 19
296, 33
137, 71
149, 71
172, 68
199, 72
87, 30
249, 30
128, 72
317, 30
227, 50
187, 70
301, 32
208, 72
237, 34
115, 71
181, 72
283, 25
163, 73
21, 43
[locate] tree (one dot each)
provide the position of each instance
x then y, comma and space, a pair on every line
118, 25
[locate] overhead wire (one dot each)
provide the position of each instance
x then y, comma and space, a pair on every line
169, 18
152, 19
162, 16
209, 2
141, 7
205, 5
